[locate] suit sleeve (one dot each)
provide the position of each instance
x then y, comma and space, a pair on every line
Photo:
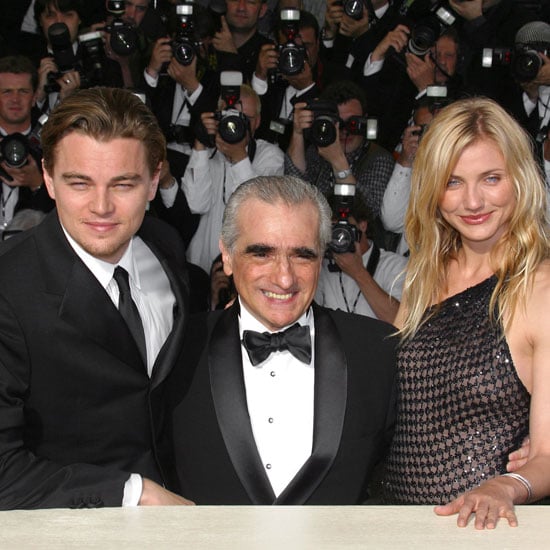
26, 480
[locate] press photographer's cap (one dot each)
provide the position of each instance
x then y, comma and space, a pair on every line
536, 32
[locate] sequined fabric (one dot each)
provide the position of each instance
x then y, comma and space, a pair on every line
462, 407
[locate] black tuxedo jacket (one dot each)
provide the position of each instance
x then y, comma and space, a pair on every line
74, 392
215, 456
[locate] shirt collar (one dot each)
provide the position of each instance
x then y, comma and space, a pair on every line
102, 270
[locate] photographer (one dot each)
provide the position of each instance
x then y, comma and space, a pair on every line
366, 280
21, 186
395, 76
216, 168
181, 88
238, 42
396, 196
283, 91
528, 96
55, 82
351, 158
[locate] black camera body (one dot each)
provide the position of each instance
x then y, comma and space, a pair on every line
344, 234
523, 60
185, 43
233, 124
292, 56
124, 37
325, 115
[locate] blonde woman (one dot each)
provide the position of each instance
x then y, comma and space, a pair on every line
474, 361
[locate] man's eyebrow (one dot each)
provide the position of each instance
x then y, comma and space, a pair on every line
305, 252
132, 176
259, 249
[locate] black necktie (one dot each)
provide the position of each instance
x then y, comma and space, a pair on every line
295, 339
129, 310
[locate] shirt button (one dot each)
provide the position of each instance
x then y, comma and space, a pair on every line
270, 420
272, 373
268, 466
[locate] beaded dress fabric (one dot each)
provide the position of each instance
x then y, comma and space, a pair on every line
462, 407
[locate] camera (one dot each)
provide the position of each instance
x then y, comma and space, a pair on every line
292, 56
124, 37
353, 9
325, 115
233, 124
524, 61
59, 38
93, 57
185, 43
14, 150
344, 234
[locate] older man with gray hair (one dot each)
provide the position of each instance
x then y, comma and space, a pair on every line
277, 400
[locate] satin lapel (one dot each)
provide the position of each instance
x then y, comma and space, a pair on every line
331, 385
228, 394
87, 307
169, 353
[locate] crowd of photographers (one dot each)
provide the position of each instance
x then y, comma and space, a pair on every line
338, 93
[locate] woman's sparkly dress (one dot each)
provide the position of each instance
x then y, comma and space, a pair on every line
462, 407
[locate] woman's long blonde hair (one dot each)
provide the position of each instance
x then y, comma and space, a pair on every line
434, 243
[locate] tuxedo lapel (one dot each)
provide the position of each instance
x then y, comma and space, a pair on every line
329, 410
228, 393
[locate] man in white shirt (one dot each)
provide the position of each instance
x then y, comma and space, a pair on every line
367, 281
213, 173
20, 181
278, 400
93, 304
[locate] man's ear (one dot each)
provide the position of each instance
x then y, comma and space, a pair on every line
226, 259
155, 178
263, 9
363, 226
48, 180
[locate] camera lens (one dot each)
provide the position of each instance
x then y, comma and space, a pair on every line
423, 37
124, 40
15, 150
354, 9
323, 131
184, 52
291, 60
342, 239
232, 128
526, 65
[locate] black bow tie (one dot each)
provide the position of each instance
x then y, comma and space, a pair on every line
295, 339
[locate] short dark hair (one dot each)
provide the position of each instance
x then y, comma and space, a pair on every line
40, 6
104, 114
343, 91
19, 64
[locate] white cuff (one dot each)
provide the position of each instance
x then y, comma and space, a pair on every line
132, 490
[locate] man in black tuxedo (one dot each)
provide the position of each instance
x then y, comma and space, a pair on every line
78, 363
307, 423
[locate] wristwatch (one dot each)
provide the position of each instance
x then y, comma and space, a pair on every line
342, 174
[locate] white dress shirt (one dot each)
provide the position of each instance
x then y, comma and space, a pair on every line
280, 400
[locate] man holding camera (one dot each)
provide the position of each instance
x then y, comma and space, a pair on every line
224, 157
363, 278
350, 157
278, 401
21, 177
57, 82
